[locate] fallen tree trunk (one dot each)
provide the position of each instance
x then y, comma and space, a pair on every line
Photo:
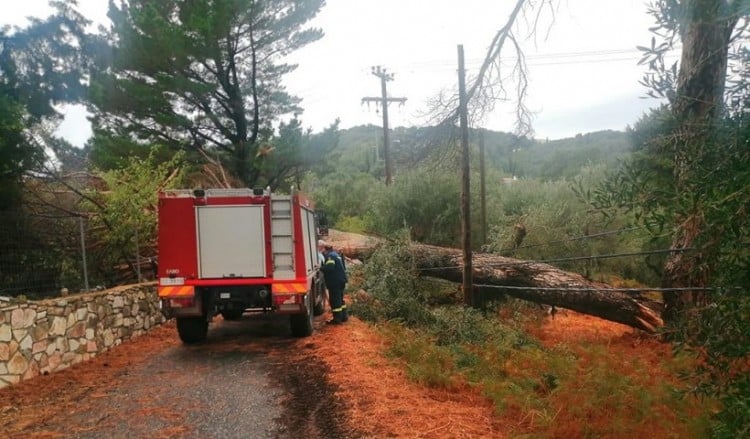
541, 283
496, 275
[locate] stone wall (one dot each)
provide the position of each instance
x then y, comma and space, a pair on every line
47, 336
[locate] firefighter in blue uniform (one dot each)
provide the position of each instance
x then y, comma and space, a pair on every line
334, 272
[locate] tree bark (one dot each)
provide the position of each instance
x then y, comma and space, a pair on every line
493, 272
700, 90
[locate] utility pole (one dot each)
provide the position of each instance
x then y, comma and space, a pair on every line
482, 188
468, 283
83, 255
384, 100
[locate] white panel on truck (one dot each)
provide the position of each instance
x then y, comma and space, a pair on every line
231, 241
308, 232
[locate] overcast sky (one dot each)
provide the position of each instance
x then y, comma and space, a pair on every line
583, 67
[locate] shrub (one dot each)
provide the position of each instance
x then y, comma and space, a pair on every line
390, 282
424, 201
353, 224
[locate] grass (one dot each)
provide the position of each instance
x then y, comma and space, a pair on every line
622, 387
575, 376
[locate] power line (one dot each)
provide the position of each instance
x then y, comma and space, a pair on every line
599, 290
575, 258
617, 255
578, 238
634, 55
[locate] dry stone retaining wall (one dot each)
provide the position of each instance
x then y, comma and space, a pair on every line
47, 336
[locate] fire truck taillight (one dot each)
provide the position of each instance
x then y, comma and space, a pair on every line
286, 299
184, 302
289, 302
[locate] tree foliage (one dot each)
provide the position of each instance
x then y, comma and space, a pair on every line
422, 200
689, 143
689, 179
688, 156
41, 66
202, 75
122, 214
294, 152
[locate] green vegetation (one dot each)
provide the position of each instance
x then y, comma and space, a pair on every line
40, 68
124, 224
689, 176
31, 86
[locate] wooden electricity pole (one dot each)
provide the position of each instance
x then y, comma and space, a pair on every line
482, 189
384, 100
467, 285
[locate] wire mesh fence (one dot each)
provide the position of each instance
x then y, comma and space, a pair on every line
49, 255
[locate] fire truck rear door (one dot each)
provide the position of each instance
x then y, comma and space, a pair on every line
231, 241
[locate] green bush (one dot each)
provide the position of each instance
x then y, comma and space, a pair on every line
341, 194
458, 324
390, 282
536, 220
353, 224
424, 201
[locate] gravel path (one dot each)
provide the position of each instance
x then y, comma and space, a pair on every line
250, 379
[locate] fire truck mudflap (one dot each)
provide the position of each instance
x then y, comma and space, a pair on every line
237, 251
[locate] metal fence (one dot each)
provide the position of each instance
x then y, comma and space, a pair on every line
48, 255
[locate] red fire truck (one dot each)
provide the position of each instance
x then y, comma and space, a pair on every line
231, 251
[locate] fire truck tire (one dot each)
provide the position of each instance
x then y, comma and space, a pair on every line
302, 324
192, 329
320, 307
320, 300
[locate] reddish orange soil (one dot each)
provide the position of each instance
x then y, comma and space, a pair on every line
380, 399
384, 403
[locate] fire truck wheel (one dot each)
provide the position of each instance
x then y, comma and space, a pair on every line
320, 300
302, 324
192, 329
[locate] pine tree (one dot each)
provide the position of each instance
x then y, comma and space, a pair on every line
202, 75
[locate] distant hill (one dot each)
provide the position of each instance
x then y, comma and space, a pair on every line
564, 158
360, 148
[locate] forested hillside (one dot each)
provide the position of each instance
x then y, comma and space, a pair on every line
360, 148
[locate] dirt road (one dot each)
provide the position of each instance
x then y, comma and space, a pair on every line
249, 379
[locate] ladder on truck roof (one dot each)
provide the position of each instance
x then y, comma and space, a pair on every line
282, 240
